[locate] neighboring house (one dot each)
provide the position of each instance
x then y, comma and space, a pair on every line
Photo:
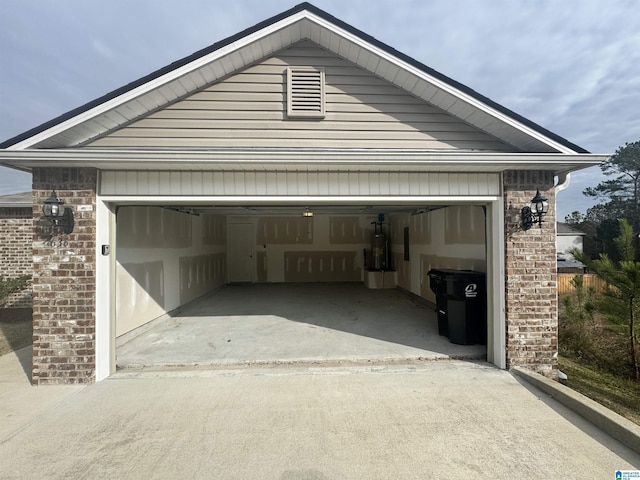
16, 243
301, 112
571, 266
569, 238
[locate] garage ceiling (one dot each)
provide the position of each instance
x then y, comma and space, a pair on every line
299, 210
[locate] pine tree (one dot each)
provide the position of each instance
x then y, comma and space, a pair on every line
621, 301
621, 191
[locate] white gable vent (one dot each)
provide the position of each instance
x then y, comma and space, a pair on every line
305, 92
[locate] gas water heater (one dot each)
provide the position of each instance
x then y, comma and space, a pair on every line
379, 246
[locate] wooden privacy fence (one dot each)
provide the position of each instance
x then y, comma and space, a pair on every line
565, 286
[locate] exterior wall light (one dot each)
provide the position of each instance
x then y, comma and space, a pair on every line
54, 211
535, 212
307, 213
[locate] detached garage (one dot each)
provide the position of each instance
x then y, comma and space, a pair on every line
272, 157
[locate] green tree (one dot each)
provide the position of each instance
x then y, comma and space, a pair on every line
621, 192
621, 301
600, 225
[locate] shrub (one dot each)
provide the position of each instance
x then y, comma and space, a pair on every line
587, 334
12, 285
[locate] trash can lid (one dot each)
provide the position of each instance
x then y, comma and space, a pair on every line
451, 271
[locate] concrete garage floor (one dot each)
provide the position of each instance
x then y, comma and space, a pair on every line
290, 324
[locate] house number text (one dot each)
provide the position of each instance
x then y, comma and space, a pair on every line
56, 243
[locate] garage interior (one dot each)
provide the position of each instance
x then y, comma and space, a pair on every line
218, 285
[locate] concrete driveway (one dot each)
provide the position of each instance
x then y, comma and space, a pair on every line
431, 420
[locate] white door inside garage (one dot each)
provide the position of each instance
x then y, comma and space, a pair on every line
240, 252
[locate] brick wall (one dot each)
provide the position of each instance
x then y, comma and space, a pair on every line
531, 279
64, 280
16, 236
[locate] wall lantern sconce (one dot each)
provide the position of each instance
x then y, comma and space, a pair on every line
307, 213
54, 211
535, 213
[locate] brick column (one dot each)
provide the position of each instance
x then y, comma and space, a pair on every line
531, 299
64, 284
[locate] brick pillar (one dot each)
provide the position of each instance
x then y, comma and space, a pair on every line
531, 299
64, 284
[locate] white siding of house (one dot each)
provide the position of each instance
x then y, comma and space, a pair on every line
566, 243
248, 109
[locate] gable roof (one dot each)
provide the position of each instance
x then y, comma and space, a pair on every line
17, 200
303, 21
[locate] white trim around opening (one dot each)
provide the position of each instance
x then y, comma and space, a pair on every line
105, 264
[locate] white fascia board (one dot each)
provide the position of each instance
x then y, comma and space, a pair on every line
442, 85
155, 83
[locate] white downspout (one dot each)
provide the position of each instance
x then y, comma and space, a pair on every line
564, 179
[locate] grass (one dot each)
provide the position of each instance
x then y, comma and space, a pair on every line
614, 392
594, 355
16, 329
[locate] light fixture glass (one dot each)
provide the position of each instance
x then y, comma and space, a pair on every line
61, 217
534, 213
539, 204
53, 206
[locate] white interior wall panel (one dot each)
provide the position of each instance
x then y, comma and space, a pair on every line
252, 183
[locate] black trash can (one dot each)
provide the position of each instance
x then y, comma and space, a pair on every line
461, 304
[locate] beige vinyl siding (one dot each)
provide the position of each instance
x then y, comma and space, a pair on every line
248, 109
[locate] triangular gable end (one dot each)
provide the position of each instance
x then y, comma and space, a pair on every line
348, 107
251, 46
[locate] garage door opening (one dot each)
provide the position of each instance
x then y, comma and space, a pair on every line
287, 283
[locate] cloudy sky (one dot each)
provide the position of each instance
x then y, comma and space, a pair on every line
572, 66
